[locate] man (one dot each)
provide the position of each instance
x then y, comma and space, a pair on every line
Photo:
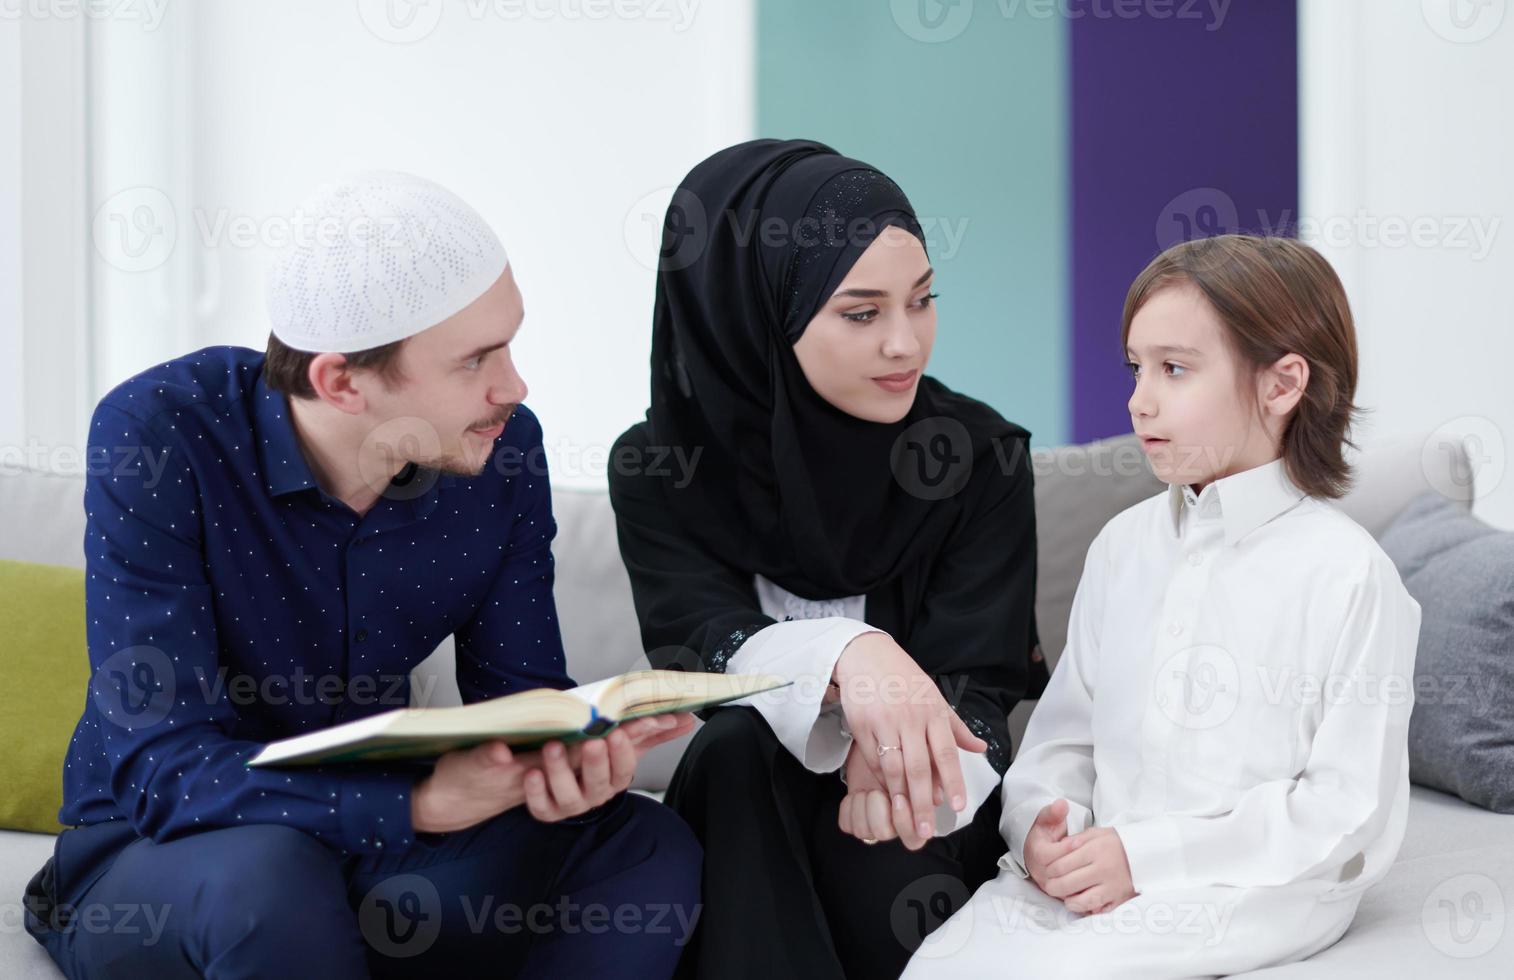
310, 525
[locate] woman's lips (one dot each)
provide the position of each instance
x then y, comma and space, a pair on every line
897, 382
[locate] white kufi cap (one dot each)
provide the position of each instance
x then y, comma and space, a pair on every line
375, 258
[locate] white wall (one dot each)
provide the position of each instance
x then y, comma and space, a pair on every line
566, 132
12, 419
43, 294
1407, 147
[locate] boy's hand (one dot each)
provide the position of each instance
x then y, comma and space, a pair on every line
1046, 842
1093, 876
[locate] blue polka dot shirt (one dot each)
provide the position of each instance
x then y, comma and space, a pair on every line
230, 602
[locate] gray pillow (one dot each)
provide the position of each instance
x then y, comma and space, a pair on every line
1461, 571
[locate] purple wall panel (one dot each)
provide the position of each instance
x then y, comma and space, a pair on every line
1183, 125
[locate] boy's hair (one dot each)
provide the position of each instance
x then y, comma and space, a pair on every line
1276, 296
288, 370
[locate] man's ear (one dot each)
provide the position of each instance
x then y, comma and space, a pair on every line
334, 383
1283, 384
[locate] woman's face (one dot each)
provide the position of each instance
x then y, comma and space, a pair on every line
866, 349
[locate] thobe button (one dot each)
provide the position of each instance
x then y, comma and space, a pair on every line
1175, 629
360, 635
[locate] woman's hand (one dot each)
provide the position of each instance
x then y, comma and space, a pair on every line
867, 812
889, 701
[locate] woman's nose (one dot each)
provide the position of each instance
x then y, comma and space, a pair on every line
900, 341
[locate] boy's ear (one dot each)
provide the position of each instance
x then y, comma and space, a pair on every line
1284, 384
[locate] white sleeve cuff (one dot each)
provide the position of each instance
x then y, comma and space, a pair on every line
980, 780
1154, 851
805, 651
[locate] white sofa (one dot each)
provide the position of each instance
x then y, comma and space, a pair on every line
1399, 929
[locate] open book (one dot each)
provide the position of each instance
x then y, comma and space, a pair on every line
525, 720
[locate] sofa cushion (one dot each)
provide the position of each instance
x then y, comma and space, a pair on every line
42, 622
1461, 571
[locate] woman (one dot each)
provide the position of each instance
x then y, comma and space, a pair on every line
846, 522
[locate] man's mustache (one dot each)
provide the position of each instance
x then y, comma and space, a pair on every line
492, 422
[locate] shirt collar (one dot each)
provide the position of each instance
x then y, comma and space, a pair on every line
284, 466
1243, 501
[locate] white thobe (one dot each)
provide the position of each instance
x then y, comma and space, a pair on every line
1234, 701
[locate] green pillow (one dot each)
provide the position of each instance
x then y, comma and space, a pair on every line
46, 665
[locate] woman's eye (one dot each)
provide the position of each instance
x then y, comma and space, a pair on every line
927, 300
861, 316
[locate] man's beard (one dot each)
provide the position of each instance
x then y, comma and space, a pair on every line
459, 463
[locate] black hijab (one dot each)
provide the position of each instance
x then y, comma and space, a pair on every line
825, 504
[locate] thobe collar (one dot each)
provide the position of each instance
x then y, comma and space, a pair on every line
1242, 501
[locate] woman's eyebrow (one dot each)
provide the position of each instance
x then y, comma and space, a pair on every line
880, 293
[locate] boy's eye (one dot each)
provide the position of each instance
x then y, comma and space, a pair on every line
1171, 369
473, 363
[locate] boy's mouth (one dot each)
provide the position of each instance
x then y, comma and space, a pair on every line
1151, 442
